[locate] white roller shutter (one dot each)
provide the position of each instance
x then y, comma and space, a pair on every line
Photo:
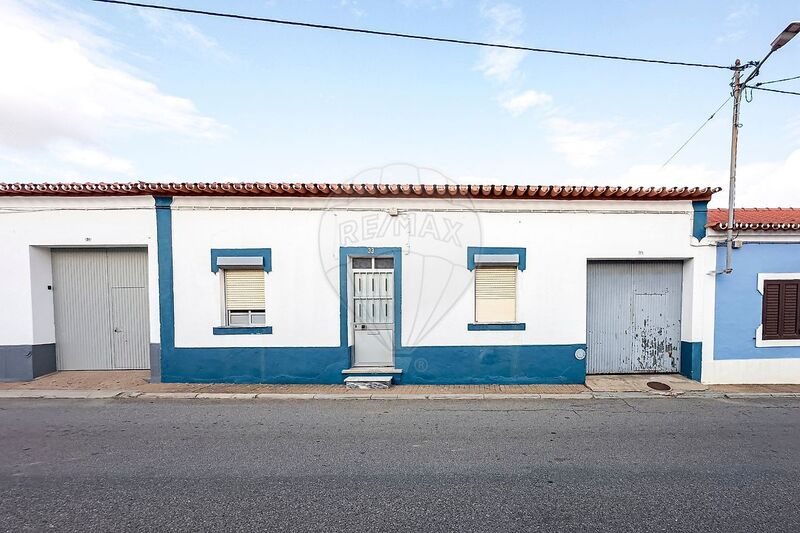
244, 290
496, 293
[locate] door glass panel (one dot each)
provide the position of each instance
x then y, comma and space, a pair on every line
384, 262
362, 262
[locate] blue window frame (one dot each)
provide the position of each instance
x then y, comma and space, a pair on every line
494, 255
239, 258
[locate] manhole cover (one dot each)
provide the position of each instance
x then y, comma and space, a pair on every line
657, 385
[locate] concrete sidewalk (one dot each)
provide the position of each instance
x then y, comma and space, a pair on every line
134, 384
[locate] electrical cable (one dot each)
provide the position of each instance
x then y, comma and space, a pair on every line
774, 90
776, 81
416, 36
703, 125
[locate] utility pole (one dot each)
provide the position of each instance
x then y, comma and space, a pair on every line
738, 86
737, 98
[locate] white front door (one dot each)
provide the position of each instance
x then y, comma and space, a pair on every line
373, 311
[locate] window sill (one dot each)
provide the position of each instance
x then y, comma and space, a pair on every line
761, 342
500, 326
236, 330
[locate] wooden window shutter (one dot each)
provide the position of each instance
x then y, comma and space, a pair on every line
244, 290
496, 293
780, 314
789, 324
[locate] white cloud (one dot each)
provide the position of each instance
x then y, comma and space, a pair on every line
672, 175
507, 21
427, 4
92, 158
665, 135
760, 184
769, 184
794, 126
730, 37
585, 144
506, 25
737, 22
60, 90
173, 30
519, 103
742, 11
352, 7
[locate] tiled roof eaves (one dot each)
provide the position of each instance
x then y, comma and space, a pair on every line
556, 192
756, 219
756, 226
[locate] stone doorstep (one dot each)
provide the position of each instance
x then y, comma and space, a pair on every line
368, 382
373, 370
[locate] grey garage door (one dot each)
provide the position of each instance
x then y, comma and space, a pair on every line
101, 313
633, 316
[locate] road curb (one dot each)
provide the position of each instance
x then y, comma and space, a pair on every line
75, 394
62, 394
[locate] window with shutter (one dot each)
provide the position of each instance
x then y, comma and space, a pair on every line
780, 314
244, 297
495, 293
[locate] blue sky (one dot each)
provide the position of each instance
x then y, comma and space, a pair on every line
98, 93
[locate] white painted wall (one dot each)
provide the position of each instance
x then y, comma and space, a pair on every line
29, 227
305, 234
41, 277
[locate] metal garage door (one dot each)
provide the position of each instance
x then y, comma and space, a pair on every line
633, 316
100, 302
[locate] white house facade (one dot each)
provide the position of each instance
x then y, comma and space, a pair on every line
312, 283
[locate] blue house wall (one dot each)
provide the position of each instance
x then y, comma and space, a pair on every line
738, 301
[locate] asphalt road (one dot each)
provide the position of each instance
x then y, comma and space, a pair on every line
536, 465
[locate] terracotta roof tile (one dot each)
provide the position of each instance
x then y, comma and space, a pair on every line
756, 219
556, 192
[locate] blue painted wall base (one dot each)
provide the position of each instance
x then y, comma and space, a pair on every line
474, 365
431, 365
255, 365
26, 361
691, 359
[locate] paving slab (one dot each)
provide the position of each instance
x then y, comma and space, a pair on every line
345, 396
624, 394
284, 396
133, 384
226, 396
638, 382
169, 395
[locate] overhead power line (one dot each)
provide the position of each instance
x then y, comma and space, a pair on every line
416, 36
703, 125
776, 81
774, 90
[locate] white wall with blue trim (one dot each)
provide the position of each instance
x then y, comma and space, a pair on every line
32, 226
29, 229
309, 339
305, 237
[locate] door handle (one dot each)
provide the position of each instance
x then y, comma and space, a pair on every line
117, 330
